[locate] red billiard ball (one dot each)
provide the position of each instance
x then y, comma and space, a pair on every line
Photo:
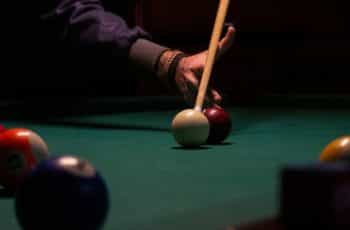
2, 128
220, 124
20, 151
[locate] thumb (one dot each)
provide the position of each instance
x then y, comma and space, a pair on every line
226, 42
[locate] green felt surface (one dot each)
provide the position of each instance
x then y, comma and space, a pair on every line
154, 184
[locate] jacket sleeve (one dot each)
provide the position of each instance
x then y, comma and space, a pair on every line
86, 23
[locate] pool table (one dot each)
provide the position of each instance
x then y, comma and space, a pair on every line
157, 185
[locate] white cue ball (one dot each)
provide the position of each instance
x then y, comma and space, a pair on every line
190, 128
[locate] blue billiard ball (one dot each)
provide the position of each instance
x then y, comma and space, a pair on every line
64, 191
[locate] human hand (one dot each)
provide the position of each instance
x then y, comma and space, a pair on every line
190, 69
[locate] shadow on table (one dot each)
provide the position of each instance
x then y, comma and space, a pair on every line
198, 148
92, 125
203, 147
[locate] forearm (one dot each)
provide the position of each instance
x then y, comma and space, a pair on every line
87, 24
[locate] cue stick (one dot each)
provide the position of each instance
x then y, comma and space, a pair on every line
213, 46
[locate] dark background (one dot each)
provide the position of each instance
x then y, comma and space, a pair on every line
281, 47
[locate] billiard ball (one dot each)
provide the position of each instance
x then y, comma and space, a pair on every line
337, 150
21, 150
64, 191
190, 128
220, 124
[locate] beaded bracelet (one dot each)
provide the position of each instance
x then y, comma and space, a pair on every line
173, 63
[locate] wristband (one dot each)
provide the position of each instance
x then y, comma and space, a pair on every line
173, 63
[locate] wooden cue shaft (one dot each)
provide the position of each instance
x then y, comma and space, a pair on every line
213, 46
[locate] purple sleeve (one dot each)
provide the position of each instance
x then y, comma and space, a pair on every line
88, 23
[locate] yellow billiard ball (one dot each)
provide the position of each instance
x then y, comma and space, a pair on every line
336, 150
